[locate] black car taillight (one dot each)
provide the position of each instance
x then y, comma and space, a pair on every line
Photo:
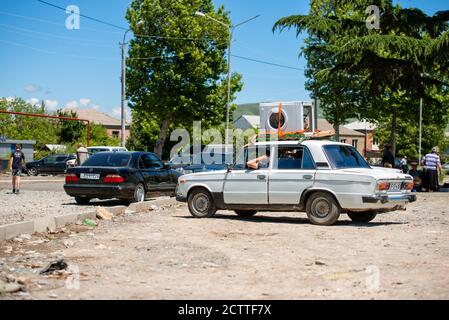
71, 178
113, 178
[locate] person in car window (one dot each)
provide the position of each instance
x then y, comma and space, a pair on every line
261, 162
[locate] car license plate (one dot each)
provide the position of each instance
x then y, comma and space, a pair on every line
90, 176
395, 186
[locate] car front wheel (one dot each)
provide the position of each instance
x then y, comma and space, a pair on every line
201, 204
245, 213
322, 209
32, 171
362, 216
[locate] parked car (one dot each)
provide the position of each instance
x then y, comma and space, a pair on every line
52, 164
397, 163
322, 178
208, 163
191, 156
123, 175
96, 149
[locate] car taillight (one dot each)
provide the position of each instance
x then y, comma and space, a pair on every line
408, 185
113, 178
383, 186
70, 177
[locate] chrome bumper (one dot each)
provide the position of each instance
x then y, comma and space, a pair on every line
389, 198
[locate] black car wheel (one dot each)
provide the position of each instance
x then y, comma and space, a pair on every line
201, 204
245, 213
322, 209
362, 216
139, 193
82, 200
32, 171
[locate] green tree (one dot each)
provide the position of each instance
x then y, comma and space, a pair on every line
403, 61
70, 131
178, 75
44, 131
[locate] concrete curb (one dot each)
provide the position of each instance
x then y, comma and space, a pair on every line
10, 231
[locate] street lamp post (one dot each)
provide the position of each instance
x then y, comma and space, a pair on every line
231, 29
123, 80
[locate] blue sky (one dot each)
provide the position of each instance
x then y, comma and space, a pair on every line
41, 60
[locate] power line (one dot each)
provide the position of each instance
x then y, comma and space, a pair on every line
267, 63
83, 15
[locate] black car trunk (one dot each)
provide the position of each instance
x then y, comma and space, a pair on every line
96, 175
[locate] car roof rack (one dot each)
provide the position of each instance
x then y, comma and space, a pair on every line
295, 136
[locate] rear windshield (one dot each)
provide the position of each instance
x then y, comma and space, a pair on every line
342, 157
106, 159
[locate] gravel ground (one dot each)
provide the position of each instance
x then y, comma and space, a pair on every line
167, 254
30, 205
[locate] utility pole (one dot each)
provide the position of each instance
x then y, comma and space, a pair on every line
123, 107
420, 129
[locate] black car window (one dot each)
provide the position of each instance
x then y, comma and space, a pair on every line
151, 161
106, 159
342, 156
291, 158
61, 158
50, 159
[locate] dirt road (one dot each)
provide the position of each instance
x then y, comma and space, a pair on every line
166, 254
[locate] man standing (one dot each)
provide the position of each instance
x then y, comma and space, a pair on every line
388, 157
432, 166
16, 164
81, 154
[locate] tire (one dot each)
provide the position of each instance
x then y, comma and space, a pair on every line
32, 171
245, 213
362, 216
322, 209
82, 200
139, 194
201, 204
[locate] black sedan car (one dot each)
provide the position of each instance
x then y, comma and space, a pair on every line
123, 175
52, 164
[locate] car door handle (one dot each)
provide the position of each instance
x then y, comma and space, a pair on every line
261, 177
307, 176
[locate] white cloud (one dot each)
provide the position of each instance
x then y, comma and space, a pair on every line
72, 104
33, 101
96, 107
8, 99
51, 105
116, 112
32, 88
85, 102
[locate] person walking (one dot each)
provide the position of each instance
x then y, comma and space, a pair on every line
432, 167
81, 154
16, 165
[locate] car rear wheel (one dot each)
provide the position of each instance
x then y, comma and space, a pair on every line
32, 171
201, 204
245, 213
139, 194
82, 200
362, 216
322, 209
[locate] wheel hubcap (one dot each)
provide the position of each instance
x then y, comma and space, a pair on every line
201, 203
140, 194
321, 208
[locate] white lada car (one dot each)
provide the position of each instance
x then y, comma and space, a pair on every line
322, 178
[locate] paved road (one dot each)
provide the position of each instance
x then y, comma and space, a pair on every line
40, 183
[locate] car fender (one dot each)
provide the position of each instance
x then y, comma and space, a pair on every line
199, 185
307, 192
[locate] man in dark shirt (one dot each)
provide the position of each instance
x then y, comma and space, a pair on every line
16, 163
388, 157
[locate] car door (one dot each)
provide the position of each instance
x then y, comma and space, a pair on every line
246, 186
293, 171
157, 176
48, 164
61, 164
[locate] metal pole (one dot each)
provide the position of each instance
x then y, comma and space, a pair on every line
123, 110
420, 129
229, 86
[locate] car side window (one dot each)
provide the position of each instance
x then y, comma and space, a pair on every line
140, 163
260, 154
152, 162
50, 160
61, 159
294, 158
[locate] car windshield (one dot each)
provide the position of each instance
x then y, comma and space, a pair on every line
341, 157
104, 159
